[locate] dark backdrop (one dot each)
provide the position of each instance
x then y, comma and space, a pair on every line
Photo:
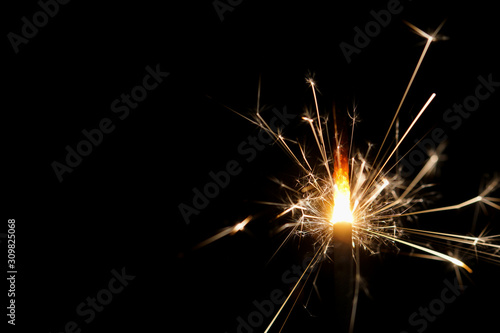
119, 208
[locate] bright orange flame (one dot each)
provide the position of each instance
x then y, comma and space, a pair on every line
342, 191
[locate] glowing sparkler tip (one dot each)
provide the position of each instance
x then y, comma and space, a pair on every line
342, 192
342, 208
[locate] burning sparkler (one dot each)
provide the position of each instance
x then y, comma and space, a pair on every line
348, 204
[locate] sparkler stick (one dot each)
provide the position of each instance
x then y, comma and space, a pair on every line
343, 274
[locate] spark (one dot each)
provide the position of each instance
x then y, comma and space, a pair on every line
425, 249
347, 187
311, 264
225, 232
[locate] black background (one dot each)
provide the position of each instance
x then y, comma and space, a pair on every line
119, 207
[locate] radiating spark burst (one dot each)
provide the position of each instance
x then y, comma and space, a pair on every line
346, 187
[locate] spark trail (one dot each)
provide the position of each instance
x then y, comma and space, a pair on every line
346, 187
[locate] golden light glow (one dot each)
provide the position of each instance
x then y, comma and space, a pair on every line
342, 191
374, 207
